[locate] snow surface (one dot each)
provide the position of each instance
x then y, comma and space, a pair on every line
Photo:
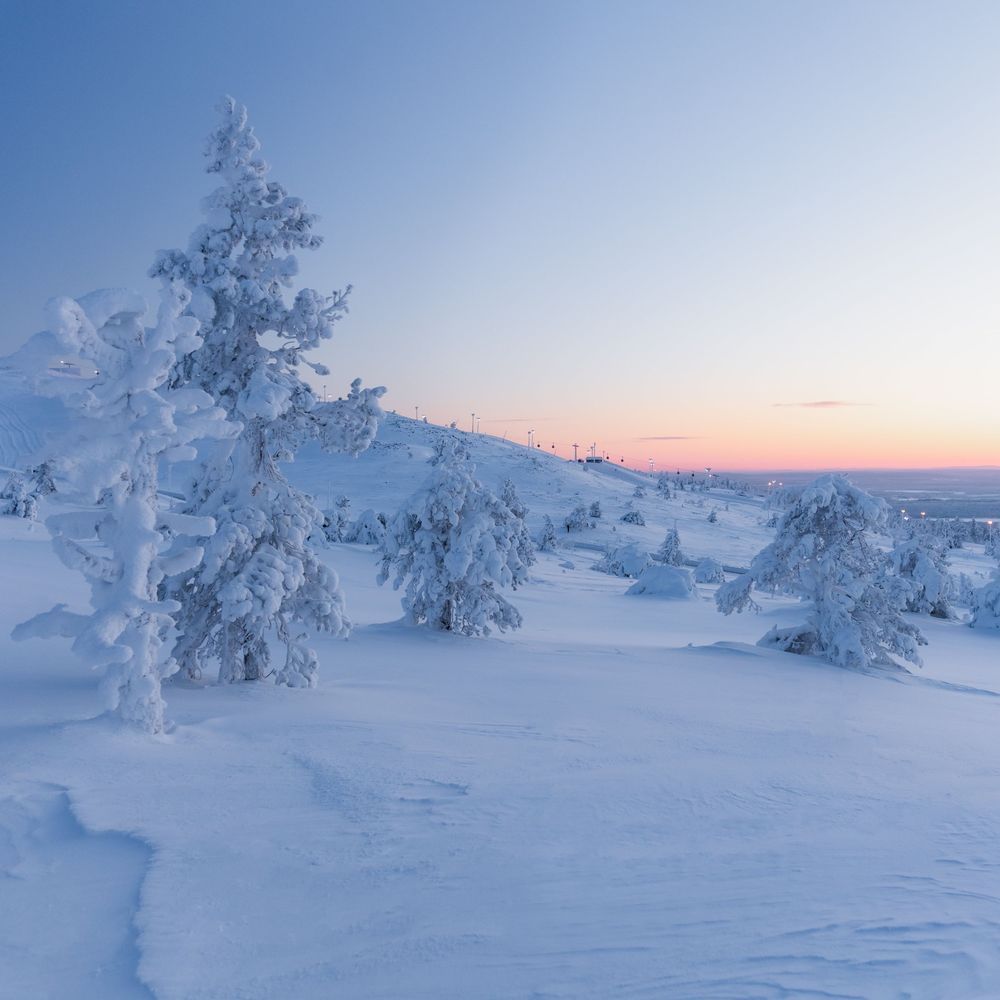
624, 798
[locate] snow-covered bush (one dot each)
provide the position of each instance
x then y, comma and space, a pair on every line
368, 529
595, 510
638, 492
824, 554
713, 517
522, 539
709, 571
625, 560
17, 499
130, 421
455, 545
547, 540
669, 553
261, 575
337, 522
664, 581
921, 565
634, 517
577, 519
986, 604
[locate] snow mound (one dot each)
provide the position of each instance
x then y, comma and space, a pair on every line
665, 581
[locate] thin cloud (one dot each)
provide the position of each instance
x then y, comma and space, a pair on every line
823, 404
516, 420
670, 437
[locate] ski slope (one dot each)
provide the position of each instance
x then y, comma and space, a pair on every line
624, 798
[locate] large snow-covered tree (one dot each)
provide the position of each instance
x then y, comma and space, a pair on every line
522, 539
261, 576
129, 422
456, 545
823, 552
920, 566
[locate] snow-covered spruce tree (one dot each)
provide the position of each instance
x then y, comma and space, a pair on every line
823, 553
522, 541
921, 567
547, 540
669, 553
17, 499
261, 576
454, 544
577, 519
986, 605
129, 422
634, 517
595, 510
368, 529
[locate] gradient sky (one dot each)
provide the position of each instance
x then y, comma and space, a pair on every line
672, 229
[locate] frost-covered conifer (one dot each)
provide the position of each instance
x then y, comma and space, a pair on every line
669, 553
17, 499
709, 571
920, 564
547, 540
368, 529
522, 542
129, 422
337, 522
822, 552
577, 519
261, 575
634, 517
595, 510
986, 604
454, 544
713, 517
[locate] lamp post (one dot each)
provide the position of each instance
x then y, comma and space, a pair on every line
416, 412
575, 459
473, 422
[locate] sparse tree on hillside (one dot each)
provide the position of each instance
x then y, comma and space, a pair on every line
577, 519
547, 540
261, 575
823, 553
669, 553
595, 510
522, 541
455, 545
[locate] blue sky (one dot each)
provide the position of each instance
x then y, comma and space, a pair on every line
607, 222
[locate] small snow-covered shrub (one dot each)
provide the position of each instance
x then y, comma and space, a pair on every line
577, 519
713, 517
455, 545
638, 492
823, 553
547, 540
522, 538
986, 604
669, 582
634, 517
595, 510
625, 560
669, 553
709, 571
337, 522
368, 529
17, 498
